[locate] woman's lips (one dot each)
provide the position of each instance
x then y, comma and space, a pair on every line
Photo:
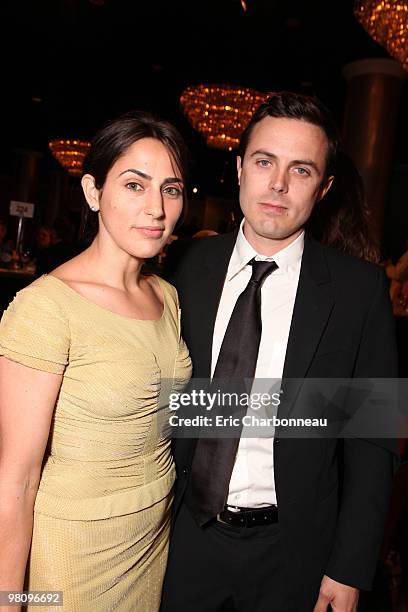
151, 232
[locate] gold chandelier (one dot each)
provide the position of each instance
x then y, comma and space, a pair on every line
387, 23
70, 154
220, 112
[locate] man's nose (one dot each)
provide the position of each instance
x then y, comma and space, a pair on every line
278, 182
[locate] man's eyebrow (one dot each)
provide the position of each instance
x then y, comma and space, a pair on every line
168, 179
263, 152
295, 162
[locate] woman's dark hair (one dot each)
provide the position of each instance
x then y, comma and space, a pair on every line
114, 139
341, 219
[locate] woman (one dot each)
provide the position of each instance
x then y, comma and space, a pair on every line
91, 352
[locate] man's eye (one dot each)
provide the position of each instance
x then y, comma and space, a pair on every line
134, 186
263, 163
174, 192
302, 171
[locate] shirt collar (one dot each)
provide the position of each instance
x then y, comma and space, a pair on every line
243, 252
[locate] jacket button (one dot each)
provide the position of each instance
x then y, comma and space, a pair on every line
185, 472
277, 441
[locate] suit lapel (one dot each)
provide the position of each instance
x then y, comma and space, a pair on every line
207, 298
313, 305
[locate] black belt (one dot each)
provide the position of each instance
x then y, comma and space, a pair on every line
249, 517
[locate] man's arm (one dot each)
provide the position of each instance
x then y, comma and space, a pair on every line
368, 471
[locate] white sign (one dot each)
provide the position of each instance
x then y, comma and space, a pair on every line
21, 209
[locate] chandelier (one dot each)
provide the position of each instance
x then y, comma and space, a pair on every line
387, 23
70, 154
220, 112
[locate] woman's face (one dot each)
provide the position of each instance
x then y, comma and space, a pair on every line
141, 199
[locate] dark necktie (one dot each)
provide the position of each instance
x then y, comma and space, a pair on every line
214, 457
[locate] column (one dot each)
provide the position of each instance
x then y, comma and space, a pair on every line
370, 119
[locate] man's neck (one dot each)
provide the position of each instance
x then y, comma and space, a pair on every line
267, 246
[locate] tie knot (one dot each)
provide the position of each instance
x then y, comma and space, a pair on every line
261, 269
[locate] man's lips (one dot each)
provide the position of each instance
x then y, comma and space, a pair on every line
273, 207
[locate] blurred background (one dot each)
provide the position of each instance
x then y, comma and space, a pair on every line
69, 65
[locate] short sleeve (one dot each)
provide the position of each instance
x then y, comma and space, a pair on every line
35, 332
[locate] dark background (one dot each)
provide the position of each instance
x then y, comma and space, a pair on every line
69, 65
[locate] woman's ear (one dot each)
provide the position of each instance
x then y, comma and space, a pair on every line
90, 191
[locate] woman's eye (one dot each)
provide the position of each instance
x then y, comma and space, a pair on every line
134, 186
263, 163
174, 192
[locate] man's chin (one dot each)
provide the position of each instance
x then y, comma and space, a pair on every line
277, 233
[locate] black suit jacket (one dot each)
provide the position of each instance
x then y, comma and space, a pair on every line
332, 494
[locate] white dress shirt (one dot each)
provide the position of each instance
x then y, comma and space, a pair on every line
252, 482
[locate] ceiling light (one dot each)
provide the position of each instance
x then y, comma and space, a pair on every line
387, 23
70, 154
220, 112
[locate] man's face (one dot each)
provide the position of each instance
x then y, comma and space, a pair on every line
281, 178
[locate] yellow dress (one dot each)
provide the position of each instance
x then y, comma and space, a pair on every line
102, 512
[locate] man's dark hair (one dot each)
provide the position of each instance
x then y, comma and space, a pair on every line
341, 218
290, 105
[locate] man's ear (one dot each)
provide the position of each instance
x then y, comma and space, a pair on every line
324, 188
239, 167
90, 191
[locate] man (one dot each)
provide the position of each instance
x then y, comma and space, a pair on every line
325, 314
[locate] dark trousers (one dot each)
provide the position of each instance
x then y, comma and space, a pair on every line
218, 568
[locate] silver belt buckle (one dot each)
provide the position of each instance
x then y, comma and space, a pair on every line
219, 519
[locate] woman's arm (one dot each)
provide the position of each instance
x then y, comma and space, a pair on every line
27, 401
